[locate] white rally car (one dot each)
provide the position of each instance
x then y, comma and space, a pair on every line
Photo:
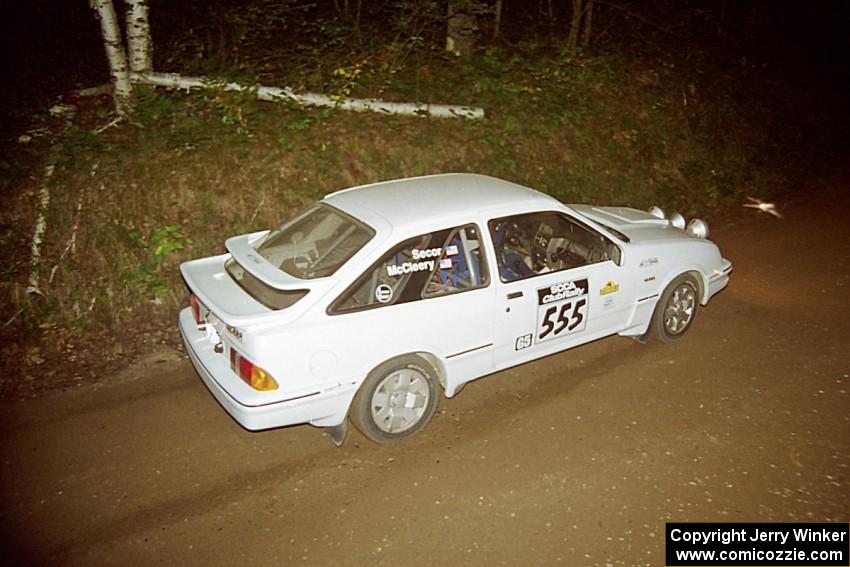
368, 303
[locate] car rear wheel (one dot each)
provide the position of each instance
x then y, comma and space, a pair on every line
396, 400
676, 310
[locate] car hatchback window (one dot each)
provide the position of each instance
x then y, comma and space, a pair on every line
316, 243
431, 265
539, 243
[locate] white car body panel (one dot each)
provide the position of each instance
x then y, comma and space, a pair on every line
319, 359
602, 314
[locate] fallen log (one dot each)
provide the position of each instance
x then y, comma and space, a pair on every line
275, 94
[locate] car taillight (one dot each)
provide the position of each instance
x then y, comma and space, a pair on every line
250, 373
196, 310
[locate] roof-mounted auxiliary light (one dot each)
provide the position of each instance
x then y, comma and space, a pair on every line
678, 221
657, 212
698, 228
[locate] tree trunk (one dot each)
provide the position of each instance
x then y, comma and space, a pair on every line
275, 94
460, 32
575, 27
122, 88
497, 24
139, 36
588, 23
581, 25
357, 17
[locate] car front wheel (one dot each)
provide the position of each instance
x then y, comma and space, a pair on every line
396, 400
676, 310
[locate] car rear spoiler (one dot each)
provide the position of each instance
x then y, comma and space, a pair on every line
248, 257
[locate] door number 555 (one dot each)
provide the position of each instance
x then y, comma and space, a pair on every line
570, 317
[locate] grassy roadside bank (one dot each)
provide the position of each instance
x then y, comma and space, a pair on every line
188, 170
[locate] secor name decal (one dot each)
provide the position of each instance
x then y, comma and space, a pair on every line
421, 263
427, 253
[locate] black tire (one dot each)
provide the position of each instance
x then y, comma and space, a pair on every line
396, 400
676, 310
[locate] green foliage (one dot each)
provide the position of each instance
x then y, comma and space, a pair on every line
347, 78
167, 240
153, 106
413, 21
79, 141
222, 34
158, 248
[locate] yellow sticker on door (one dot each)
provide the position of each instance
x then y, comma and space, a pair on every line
609, 288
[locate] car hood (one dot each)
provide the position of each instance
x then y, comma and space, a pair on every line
639, 226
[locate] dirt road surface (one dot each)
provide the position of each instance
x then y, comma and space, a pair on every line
577, 459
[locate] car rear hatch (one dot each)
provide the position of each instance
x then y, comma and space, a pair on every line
242, 286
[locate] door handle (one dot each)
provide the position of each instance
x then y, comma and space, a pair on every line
515, 295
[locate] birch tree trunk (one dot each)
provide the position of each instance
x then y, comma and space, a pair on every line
274, 94
139, 36
122, 88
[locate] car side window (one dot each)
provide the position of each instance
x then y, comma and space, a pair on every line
539, 243
431, 265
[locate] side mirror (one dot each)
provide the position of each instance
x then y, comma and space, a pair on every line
615, 254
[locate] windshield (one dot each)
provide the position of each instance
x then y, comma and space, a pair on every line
315, 243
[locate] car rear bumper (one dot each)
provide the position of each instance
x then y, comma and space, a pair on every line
324, 409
